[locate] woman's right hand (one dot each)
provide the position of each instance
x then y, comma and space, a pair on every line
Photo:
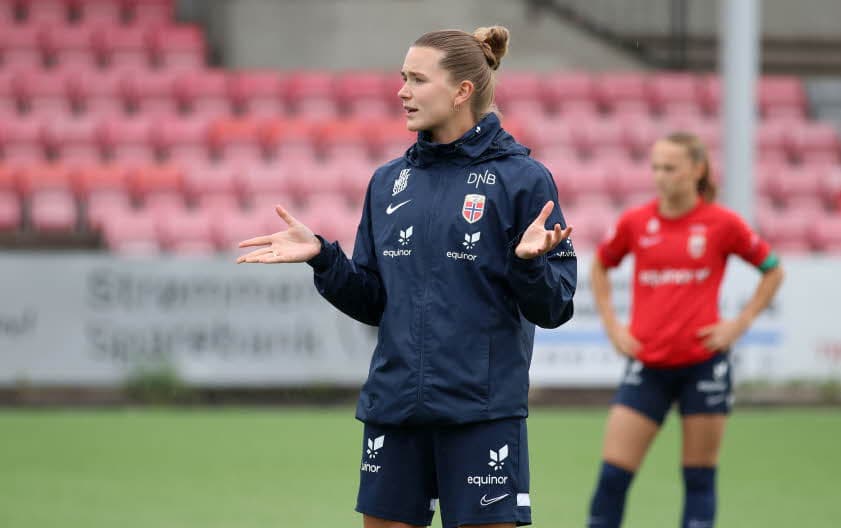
624, 342
296, 244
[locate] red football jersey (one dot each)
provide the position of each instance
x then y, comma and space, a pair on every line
679, 264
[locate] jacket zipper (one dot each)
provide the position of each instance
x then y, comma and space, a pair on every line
427, 236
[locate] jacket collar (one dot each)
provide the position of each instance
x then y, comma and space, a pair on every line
485, 140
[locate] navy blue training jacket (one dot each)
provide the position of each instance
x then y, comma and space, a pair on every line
434, 267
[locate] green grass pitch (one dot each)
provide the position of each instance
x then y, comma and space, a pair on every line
284, 467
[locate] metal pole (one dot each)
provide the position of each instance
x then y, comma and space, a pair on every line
739, 68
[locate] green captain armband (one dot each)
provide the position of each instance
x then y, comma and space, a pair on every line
770, 262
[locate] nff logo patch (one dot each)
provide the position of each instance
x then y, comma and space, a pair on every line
473, 208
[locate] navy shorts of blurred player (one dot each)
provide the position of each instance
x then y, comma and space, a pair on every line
702, 388
478, 473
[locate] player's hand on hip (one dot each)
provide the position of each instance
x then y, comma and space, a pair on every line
624, 341
296, 244
719, 336
537, 240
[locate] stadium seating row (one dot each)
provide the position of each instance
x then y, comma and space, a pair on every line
612, 180
216, 223
85, 11
180, 48
92, 139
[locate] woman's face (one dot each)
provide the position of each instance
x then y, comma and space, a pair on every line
676, 175
428, 94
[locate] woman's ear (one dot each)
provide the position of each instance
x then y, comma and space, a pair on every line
464, 92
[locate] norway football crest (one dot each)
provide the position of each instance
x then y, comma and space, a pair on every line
473, 208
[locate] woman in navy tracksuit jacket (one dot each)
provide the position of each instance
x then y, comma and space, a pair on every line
454, 264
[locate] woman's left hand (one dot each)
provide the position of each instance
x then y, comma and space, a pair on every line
719, 336
537, 240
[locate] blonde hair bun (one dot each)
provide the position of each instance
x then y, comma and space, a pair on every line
495, 43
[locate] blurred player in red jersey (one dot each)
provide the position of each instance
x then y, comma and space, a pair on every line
677, 347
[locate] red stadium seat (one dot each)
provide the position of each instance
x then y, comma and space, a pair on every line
628, 178
355, 180
105, 12
343, 132
164, 202
830, 186
625, 88
131, 232
389, 138
204, 91
23, 141
151, 12
330, 215
7, 12
8, 178
568, 87
361, 88
45, 92
153, 91
590, 135
153, 179
791, 183
825, 233
785, 232
187, 232
8, 94
306, 177
95, 179
44, 178
669, 89
125, 46
204, 180
279, 134
10, 210
547, 134
518, 86
814, 142
129, 140
73, 45
237, 139
259, 93
52, 12
74, 140
259, 179
311, 94
20, 46
266, 203
102, 93
232, 226
218, 203
524, 110
102, 205
179, 47
781, 96
53, 211
182, 138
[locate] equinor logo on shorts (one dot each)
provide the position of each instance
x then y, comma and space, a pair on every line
497, 460
374, 446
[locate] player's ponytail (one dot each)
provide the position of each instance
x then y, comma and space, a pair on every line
707, 188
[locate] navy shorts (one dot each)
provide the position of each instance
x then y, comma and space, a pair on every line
478, 473
703, 388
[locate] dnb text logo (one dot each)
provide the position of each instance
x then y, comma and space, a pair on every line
498, 457
374, 445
